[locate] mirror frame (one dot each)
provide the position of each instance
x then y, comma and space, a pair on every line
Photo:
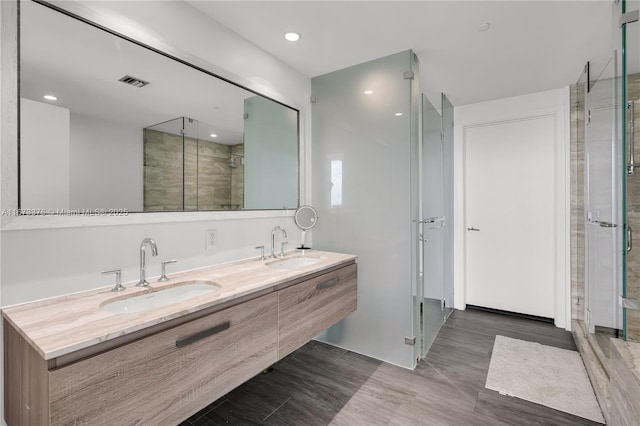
144, 37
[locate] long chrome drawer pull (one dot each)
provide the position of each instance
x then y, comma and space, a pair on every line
327, 284
202, 334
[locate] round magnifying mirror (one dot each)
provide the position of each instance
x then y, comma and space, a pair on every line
306, 217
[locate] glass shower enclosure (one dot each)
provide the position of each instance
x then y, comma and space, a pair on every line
435, 226
608, 94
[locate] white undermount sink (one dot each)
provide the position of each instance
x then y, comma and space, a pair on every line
158, 298
294, 262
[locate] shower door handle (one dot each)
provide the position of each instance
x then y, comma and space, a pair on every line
630, 131
629, 238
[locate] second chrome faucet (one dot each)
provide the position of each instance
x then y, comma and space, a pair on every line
273, 241
154, 252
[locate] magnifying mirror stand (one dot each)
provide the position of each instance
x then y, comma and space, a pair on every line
302, 246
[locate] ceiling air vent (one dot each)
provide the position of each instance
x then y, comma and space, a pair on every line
133, 81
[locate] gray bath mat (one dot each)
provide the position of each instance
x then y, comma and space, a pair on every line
542, 374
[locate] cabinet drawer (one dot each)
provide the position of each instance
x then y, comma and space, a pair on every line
308, 308
165, 378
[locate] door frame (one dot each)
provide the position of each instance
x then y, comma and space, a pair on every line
548, 103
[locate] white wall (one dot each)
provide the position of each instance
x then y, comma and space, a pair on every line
44, 155
106, 161
549, 103
44, 262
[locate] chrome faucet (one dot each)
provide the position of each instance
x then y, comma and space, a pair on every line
273, 239
154, 251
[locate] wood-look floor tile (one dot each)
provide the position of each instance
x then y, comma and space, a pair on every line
513, 410
321, 385
228, 414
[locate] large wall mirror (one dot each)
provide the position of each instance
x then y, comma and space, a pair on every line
108, 124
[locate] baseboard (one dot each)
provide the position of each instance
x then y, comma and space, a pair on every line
510, 313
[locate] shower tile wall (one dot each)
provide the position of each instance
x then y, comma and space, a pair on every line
577, 201
209, 182
633, 219
162, 171
214, 176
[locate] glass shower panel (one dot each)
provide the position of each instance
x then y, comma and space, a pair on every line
630, 130
362, 126
603, 215
433, 223
415, 160
447, 170
164, 166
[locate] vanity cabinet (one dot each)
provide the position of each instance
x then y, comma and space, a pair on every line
157, 380
171, 370
308, 308
164, 378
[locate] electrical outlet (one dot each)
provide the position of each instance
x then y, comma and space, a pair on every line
209, 239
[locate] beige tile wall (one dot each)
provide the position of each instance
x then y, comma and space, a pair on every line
208, 181
162, 171
633, 219
577, 201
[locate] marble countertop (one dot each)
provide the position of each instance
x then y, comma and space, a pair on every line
64, 324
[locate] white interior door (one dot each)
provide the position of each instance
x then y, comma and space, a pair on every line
510, 196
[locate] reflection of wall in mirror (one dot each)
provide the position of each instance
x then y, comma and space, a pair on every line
209, 182
44, 156
70, 161
106, 164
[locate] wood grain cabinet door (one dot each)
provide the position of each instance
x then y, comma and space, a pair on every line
308, 308
165, 378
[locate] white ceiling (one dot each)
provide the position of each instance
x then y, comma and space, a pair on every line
531, 45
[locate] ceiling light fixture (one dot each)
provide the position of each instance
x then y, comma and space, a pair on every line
292, 36
213, 135
398, 114
50, 98
368, 92
483, 27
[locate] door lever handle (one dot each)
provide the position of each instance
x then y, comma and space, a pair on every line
472, 229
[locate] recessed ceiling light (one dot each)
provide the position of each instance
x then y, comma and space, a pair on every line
292, 36
368, 92
398, 114
50, 98
484, 26
213, 135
